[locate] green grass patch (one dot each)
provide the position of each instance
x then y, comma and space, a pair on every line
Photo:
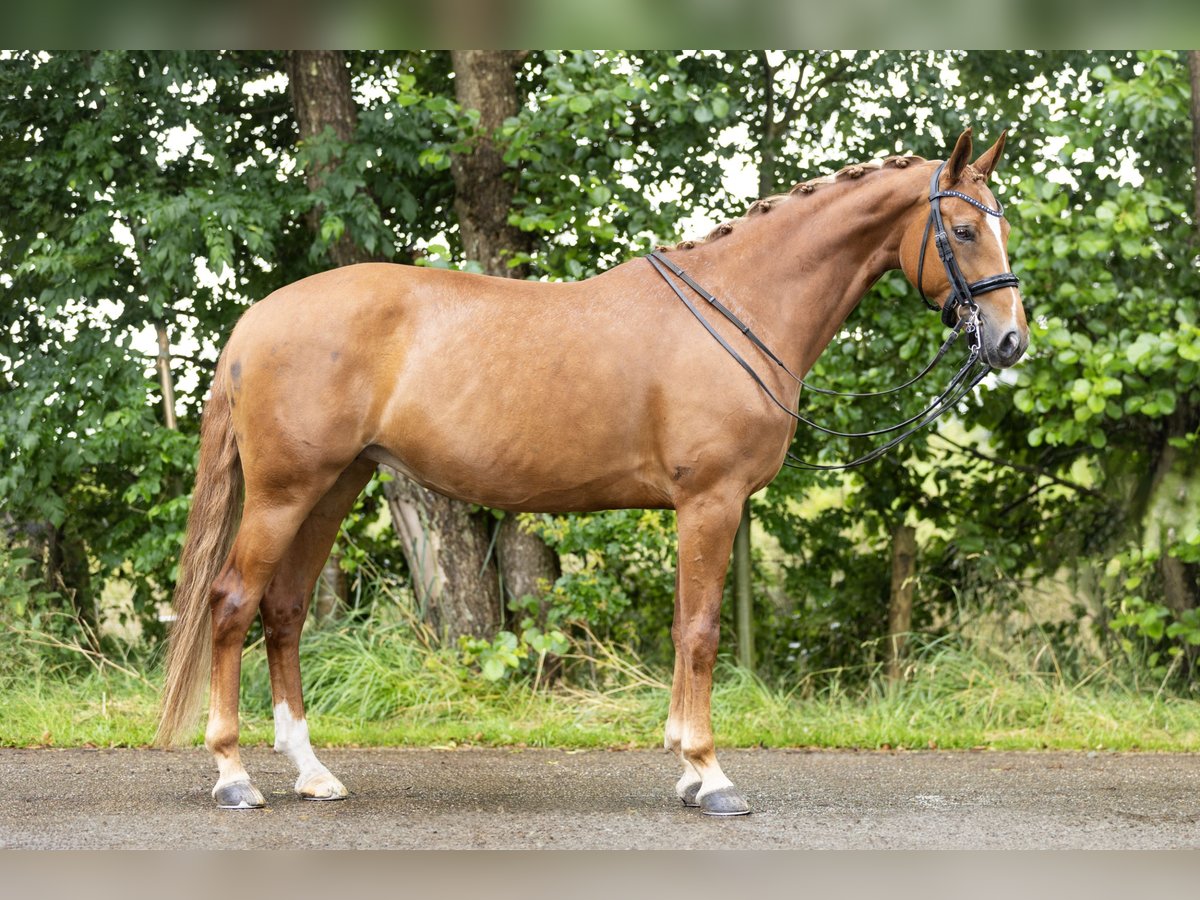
381, 687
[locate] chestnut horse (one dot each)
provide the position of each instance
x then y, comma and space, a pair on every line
528, 396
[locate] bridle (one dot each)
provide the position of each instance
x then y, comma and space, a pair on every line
962, 294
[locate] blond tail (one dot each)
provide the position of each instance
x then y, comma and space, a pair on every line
216, 506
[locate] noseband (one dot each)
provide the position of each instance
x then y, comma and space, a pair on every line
962, 292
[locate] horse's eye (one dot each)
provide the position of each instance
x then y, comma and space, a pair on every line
964, 233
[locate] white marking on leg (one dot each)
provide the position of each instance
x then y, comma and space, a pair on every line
673, 741
687, 782
230, 769
705, 767
291, 739
712, 778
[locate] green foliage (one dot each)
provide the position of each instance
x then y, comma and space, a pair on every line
1111, 380
24, 601
618, 576
617, 585
146, 190
383, 687
1158, 641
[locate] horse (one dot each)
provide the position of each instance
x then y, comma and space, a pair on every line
545, 397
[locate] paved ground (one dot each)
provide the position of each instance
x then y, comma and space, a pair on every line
605, 799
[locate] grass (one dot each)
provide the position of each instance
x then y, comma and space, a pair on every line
382, 687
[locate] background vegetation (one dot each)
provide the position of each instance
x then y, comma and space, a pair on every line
147, 198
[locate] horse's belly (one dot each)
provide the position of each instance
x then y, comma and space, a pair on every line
503, 484
523, 448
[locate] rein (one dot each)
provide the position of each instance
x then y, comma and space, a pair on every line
962, 294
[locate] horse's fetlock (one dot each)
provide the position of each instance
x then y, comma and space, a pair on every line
700, 752
220, 743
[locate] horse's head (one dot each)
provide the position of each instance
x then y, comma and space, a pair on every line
970, 266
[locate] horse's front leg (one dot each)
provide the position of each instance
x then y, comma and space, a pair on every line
706, 528
689, 782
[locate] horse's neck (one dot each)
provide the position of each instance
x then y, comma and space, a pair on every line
798, 270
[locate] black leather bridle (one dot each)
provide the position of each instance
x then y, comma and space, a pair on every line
962, 293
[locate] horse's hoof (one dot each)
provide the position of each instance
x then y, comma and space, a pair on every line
724, 801
687, 793
322, 787
238, 795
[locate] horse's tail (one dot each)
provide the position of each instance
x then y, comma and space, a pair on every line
216, 504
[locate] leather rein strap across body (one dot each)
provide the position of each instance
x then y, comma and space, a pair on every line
962, 293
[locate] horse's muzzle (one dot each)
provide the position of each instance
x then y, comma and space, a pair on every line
1007, 350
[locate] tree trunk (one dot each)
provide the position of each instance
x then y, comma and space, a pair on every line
1169, 508
319, 81
766, 140
1193, 58
529, 567
743, 591
1173, 473
904, 555
165, 379
742, 559
484, 80
448, 552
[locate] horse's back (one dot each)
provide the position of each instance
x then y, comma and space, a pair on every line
512, 393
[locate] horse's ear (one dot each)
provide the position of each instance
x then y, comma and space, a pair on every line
958, 160
986, 164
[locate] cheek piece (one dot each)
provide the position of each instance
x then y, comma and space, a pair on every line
962, 292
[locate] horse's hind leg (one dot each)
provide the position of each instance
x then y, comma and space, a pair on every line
263, 537
706, 529
284, 608
278, 500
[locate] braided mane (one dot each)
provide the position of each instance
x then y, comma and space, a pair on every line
763, 205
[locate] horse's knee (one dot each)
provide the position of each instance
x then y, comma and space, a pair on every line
699, 642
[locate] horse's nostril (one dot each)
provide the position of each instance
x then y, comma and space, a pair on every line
1009, 345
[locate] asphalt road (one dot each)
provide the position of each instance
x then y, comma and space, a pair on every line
608, 799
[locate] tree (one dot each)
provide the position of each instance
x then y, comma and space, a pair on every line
169, 190
485, 82
113, 155
319, 85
